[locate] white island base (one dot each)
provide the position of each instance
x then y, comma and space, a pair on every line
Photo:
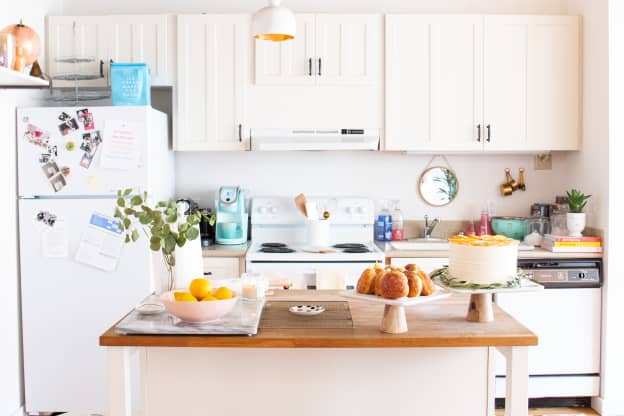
315, 381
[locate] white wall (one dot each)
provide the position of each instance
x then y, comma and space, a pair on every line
613, 312
375, 175
78, 7
11, 391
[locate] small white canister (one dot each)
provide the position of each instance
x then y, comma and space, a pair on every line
318, 233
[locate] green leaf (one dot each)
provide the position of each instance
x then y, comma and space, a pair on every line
127, 238
127, 192
183, 227
136, 200
181, 240
192, 233
118, 192
135, 235
129, 211
154, 243
166, 229
117, 213
170, 244
144, 195
145, 219
127, 222
121, 226
172, 218
161, 204
172, 204
121, 202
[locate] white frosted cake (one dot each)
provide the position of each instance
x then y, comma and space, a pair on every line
483, 260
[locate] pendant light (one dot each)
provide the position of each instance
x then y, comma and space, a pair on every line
274, 22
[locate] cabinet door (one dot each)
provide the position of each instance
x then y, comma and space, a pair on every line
553, 84
291, 62
531, 82
212, 63
434, 79
221, 267
347, 48
82, 37
143, 39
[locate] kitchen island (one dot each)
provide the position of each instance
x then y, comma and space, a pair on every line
443, 365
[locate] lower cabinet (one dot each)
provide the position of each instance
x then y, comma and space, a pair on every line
223, 267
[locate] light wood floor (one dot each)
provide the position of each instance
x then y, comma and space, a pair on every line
556, 411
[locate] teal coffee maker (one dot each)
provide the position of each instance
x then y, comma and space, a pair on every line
231, 227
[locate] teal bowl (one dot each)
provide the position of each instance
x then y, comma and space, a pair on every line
512, 227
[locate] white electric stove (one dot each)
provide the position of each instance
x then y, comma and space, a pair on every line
281, 252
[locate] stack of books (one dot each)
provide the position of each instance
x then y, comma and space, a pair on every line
563, 244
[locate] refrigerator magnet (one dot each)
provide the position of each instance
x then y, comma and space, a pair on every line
35, 135
88, 122
68, 126
80, 114
64, 116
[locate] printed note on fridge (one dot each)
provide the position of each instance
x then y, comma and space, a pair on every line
121, 145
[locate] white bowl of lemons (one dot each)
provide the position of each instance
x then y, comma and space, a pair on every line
201, 302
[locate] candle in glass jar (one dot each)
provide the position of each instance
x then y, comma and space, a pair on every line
249, 288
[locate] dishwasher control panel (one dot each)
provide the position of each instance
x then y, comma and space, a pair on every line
572, 276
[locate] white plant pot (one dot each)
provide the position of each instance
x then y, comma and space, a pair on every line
575, 223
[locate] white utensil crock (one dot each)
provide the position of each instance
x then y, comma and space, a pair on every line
575, 223
318, 233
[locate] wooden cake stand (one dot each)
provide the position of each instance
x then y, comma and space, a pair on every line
393, 321
480, 305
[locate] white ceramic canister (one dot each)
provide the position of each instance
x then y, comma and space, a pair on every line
318, 233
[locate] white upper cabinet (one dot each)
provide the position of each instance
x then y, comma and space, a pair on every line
105, 39
212, 63
78, 45
531, 82
433, 82
291, 62
147, 39
329, 49
494, 83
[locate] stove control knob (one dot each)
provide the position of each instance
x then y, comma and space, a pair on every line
349, 210
273, 210
262, 210
361, 210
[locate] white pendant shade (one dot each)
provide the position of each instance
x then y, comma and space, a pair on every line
274, 22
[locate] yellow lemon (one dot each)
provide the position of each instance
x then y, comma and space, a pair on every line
200, 287
184, 297
208, 298
223, 293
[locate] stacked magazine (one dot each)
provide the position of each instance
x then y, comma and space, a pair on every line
564, 244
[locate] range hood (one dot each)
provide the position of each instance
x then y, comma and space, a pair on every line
314, 139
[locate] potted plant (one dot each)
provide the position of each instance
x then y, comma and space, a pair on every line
575, 219
166, 228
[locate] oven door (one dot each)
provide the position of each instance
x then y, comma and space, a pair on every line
310, 275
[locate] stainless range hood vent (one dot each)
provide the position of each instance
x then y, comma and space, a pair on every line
314, 139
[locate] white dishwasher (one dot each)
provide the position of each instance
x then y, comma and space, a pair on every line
566, 316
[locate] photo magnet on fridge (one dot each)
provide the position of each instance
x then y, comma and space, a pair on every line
68, 126
64, 116
36, 136
88, 122
80, 114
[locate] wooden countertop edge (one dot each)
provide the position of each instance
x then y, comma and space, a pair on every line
209, 341
530, 254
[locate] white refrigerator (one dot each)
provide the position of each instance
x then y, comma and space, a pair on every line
77, 276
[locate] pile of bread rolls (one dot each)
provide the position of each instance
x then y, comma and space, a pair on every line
392, 282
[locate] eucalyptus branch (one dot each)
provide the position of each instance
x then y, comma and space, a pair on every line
443, 276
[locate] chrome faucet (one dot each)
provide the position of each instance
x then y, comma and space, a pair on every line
429, 226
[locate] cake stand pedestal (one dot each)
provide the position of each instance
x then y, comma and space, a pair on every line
394, 320
480, 305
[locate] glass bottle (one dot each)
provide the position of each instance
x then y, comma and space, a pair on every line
397, 223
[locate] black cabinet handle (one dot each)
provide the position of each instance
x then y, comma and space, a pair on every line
207, 273
319, 67
101, 68
310, 66
489, 133
479, 133
240, 132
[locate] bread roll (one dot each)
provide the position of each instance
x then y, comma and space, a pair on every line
379, 274
428, 285
411, 267
394, 285
366, 283
415, 284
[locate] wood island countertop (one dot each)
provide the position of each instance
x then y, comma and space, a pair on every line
436, 324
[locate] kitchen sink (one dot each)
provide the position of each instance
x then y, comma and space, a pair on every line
421, 244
